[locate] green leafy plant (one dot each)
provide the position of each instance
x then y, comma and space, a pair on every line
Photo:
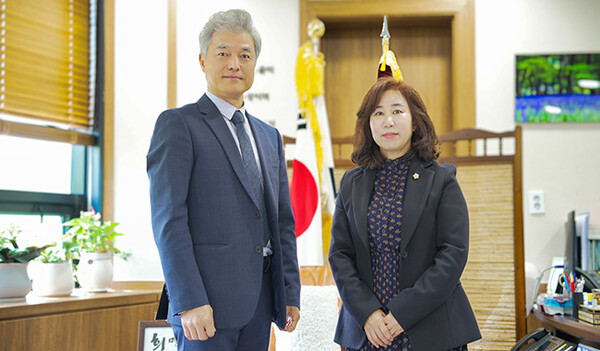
52, 255
10, 252
88, 233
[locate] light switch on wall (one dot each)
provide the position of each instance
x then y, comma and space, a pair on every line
536, 202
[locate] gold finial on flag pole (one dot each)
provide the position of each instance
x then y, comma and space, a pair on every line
316, 29
385, 35
388, 67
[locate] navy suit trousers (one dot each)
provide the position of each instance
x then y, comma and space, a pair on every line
254, 336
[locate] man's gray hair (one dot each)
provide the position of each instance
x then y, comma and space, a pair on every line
231, 21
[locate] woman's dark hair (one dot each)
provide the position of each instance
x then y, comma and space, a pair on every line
424, 143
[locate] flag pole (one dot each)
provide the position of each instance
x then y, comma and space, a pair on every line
305, 190
316, 30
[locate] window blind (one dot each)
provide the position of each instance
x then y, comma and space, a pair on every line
46, 55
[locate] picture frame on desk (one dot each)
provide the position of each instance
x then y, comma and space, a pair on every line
156, 336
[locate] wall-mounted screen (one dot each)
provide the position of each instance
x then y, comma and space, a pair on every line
557, 88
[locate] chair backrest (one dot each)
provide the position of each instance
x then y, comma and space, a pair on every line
494, 277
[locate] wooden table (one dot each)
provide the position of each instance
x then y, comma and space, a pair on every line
568, 328
82, 321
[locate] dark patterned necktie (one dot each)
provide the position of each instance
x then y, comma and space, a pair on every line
251, 170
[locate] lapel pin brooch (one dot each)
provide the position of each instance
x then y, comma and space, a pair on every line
415, 176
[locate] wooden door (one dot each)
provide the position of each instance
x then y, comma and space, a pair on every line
352, 55
434, 45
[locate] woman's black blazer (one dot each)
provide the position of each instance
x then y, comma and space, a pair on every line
431, 306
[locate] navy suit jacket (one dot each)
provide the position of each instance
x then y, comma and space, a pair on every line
431, 306
206, 226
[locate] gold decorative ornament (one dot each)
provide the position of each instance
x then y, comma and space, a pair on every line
315, 30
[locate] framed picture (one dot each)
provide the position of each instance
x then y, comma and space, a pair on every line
156, 336
557, 88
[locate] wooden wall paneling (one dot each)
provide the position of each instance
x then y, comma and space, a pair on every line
306, 15
423, 51
172, 55
377, 8
463, 66
351, 56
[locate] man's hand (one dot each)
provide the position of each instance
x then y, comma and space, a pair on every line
392, 324
293, 316
376, 330
198, 323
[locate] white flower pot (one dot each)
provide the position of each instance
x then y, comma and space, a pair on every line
95, 271
52, 279
14, 281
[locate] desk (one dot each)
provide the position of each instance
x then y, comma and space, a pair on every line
101, 321
568, 328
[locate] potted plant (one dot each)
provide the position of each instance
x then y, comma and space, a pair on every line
52, 273
93, 242
14, 281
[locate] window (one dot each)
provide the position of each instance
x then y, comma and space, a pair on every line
50, 117
36, 165
42, 177
37, 231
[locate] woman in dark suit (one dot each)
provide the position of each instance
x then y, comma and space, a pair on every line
400, 233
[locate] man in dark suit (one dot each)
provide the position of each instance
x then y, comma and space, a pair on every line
221, 212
